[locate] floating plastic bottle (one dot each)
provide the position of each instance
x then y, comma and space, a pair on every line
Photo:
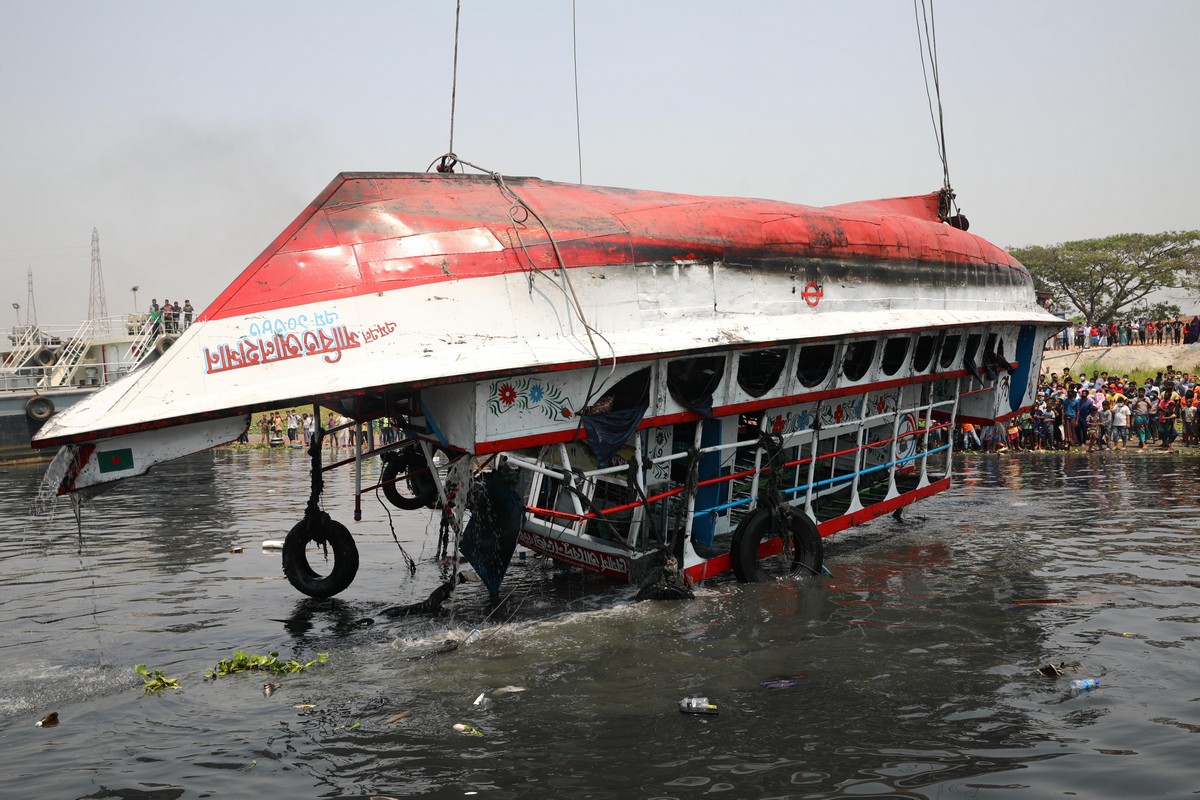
1084, 685
698, 705
473, 636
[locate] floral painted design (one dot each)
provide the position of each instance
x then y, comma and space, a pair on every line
843, 412
789, 422
528, 393
886, 402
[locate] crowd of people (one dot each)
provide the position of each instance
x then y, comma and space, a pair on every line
1128, 332
299, 430
171, 317
1100, 412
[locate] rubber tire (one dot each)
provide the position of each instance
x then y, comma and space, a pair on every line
301, 574
164, 343
422, 490
45, 357
807, 550
39, 408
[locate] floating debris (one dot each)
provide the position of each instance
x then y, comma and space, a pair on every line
1057, 670
273, 544
698, 705
374, 704
243, 662
48, 721
305, 705
509, 689
155, 680
395, 718
270, 688
784, 683
236, 550
468, 729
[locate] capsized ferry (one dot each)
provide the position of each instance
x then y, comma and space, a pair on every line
656, 387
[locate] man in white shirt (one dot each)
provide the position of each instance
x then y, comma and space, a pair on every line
1120, 424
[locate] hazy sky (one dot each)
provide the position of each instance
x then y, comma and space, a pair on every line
191, 133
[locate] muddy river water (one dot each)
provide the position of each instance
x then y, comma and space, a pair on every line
909, 672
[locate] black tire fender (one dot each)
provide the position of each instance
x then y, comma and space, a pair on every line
418, 490
759, 527
45, 357
337, 539
164, 343
39, 408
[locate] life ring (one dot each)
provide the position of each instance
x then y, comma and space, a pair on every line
45, 357
164, 343
418, 490
39, 408
336, 538
746, 550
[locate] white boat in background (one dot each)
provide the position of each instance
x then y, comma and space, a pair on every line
46, 369
641, 384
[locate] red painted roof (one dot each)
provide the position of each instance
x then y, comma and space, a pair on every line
369, 232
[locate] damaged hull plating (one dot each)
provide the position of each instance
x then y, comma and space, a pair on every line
659, 368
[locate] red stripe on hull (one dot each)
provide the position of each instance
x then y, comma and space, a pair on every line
372, 232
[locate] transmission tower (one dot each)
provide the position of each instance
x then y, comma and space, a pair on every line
30, 305
97, 308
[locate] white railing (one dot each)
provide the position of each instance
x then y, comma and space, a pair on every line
57, 356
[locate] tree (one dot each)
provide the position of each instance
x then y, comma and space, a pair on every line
1105, 277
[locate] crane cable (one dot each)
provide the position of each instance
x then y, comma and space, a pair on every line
923, 15
447, 164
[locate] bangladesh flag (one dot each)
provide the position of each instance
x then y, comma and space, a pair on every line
115, 460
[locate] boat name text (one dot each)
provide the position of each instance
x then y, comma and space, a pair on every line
574, 553
327, 342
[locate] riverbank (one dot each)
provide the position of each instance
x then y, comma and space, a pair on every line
1123, 359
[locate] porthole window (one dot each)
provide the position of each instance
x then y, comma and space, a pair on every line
894, 353
630, 392
759, 370
692, 381
923, 353
972, 351
949, 351
813, 363
859, 356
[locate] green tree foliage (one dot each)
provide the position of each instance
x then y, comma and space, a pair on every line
1107, 278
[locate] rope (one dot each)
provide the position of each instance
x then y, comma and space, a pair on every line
519, 212
408, 560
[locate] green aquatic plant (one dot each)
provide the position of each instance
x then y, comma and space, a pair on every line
155, 680
246, 662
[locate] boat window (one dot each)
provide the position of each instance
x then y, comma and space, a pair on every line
859, 357
949, 350
923, 353
759, 370
692, 381
972, 350
813, 363
894, 351
632, 391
